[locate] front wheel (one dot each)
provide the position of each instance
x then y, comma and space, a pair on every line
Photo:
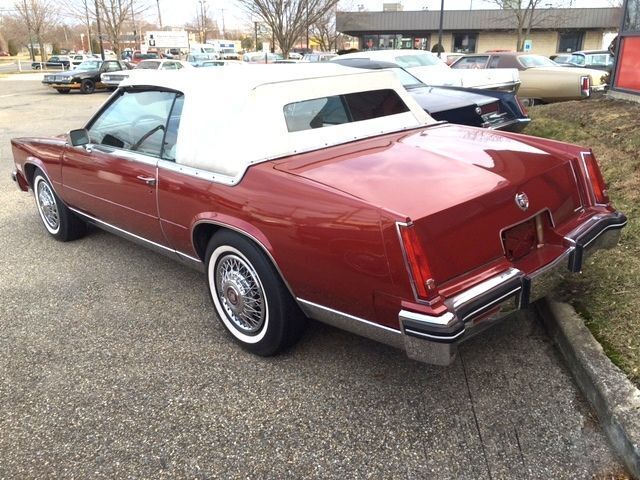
249, 297
63, 90
88, 86
60, 222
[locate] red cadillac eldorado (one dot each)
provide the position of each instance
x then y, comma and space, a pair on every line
326, 192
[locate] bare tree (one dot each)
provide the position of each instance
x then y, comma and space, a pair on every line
115, 14
528, 14
39, 16
288, 19
82, 11
324, 31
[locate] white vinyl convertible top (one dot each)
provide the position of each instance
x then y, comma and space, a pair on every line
233, 118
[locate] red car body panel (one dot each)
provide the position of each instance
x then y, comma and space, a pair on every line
328, 218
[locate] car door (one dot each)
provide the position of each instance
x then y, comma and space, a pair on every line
114, 177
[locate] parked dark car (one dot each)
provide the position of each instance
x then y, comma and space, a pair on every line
85, 77
464, 106
58, 62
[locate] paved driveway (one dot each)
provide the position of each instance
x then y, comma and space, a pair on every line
113, 365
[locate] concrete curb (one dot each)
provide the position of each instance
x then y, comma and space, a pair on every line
614, 398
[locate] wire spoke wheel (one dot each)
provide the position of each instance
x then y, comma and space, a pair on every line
48, 206
240, 293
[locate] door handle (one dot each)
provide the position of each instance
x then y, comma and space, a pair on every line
151, 181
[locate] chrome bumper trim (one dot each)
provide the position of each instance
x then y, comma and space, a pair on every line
435, 339
14, 176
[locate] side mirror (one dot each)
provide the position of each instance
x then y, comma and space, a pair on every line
79, 137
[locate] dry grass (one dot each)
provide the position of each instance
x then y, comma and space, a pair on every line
606, 294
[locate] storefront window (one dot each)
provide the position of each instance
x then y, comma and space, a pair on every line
632, 17
465, 42
570, 41
420, 43
369, 42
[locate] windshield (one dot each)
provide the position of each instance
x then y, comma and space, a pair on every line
528, 61
419, 60
577, 60
89, 65
148, 66
406, 79
208, 50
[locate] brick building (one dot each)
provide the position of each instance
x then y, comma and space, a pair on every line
471, 31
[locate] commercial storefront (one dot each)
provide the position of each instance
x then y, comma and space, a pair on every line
472, 31
627, 69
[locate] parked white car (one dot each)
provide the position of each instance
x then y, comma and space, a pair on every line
433, 71
113, 79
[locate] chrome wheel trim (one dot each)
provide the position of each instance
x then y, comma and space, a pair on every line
238, 294
47, 205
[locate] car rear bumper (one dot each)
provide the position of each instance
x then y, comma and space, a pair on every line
435, 340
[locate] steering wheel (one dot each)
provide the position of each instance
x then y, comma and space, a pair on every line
147, 119
136, 145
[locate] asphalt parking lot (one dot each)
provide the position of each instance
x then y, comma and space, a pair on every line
113, 366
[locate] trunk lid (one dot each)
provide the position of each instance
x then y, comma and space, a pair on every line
457, 184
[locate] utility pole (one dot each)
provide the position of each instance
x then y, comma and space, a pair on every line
135, 30
159, 14
440, 47
307, 24
204, 20
86, 13
100, 29
224, 30
255, 33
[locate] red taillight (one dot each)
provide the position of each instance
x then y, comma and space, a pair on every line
490, 108
585, 86
425, 285
594, 176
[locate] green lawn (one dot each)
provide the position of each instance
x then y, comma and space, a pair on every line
607, 293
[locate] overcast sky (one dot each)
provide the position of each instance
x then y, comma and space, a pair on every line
177, 12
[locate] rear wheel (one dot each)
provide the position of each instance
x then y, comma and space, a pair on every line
88, 86
61, 223
530, 102
249, 296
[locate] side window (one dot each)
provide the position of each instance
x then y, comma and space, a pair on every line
171, 137
111, 67
494, 62
471, 62
169, 66
134, 121
335, 110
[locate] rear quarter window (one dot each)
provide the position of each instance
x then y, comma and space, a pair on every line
339, 109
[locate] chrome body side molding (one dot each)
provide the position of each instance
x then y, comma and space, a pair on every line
350, 323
